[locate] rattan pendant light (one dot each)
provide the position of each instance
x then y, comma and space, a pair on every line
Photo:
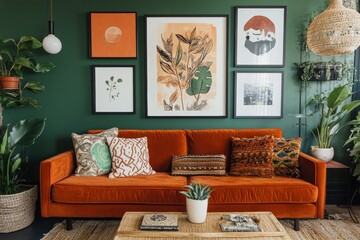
336, 31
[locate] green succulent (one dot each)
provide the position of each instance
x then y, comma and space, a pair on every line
197, 191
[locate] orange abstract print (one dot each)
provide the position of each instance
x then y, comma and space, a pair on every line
113, 35
260, 23
129, 156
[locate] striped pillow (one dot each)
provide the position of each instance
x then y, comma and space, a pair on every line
190, 165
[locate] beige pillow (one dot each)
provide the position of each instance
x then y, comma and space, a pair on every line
129, 157
92, 153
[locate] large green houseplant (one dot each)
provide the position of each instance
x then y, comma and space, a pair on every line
17, 57
327, 112
17, 201
354, 150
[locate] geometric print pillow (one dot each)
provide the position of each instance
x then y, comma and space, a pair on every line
286, 155
252, 156
129, 157
92, 153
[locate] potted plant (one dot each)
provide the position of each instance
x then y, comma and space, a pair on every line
326, 114
197, 197
321, 71
15, 56
17, 201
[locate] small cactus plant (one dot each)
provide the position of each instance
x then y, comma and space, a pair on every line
197, 191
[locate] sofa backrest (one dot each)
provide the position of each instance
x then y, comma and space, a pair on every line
218, 141
164, 144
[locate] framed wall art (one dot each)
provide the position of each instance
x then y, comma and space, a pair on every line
113, 89
260, 36
186, 66
113, 35
258, 94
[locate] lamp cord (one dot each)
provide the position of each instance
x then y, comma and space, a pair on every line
51, 14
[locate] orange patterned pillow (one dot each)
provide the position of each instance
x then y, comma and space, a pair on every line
129, 157
252, 156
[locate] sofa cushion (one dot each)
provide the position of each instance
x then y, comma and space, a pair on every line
245, 189
198, 165
129, 157
217, 141
92, 153
160, 188
286, 157
162, 144
252, 156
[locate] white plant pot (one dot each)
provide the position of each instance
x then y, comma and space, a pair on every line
323, 154
196, 210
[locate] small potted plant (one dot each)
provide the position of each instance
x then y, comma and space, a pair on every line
17, 201
15, 56
326, 114
197, 197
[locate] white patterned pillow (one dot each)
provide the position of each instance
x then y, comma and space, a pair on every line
129, 157
92, 153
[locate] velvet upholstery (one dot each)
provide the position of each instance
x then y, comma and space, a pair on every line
64, 195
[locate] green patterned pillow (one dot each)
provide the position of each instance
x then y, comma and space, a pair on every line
92, 153
286, 155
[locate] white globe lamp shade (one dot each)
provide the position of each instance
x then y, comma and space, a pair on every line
52, 44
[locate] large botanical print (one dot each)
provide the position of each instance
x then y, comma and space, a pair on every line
186, 66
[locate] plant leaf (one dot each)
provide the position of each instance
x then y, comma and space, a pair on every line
166, 67
202, 83
25, 132
15, 165
34, 86
163, 54
182, 38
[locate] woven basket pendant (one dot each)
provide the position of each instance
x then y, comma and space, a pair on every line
336, 31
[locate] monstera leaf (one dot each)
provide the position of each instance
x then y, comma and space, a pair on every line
202, 82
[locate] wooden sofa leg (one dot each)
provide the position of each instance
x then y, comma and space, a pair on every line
296, 224
68, 224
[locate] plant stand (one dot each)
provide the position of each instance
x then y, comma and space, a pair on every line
17, 211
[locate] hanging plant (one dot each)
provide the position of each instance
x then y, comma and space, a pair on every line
325, 71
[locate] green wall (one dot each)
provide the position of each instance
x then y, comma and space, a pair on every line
67, 102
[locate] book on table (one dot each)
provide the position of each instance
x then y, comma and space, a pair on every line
160, 222
239, 223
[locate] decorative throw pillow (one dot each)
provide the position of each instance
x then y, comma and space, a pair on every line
252, 156
198, 165
92, 153
286, 156
129, 157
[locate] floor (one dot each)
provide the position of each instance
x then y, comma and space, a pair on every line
40, 226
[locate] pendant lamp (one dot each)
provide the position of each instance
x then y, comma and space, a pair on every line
336, 31
51, 43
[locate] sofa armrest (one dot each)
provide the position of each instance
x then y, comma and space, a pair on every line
314, 171
53, 170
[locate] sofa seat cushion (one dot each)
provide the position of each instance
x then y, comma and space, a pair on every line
242, 189
160, 188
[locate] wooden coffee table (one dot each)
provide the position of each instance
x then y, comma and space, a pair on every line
130, 223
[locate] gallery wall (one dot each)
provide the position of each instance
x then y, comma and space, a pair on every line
67, 101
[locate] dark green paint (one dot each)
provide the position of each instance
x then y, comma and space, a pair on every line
67, 101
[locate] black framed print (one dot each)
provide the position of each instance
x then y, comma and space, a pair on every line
113, 89
260, 36
258, 94
186, 66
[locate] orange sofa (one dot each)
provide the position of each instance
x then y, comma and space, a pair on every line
66, 195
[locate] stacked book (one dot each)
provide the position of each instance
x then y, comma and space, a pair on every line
160, 222
239, 223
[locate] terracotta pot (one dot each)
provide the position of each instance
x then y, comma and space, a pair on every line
323, 154
9, 82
